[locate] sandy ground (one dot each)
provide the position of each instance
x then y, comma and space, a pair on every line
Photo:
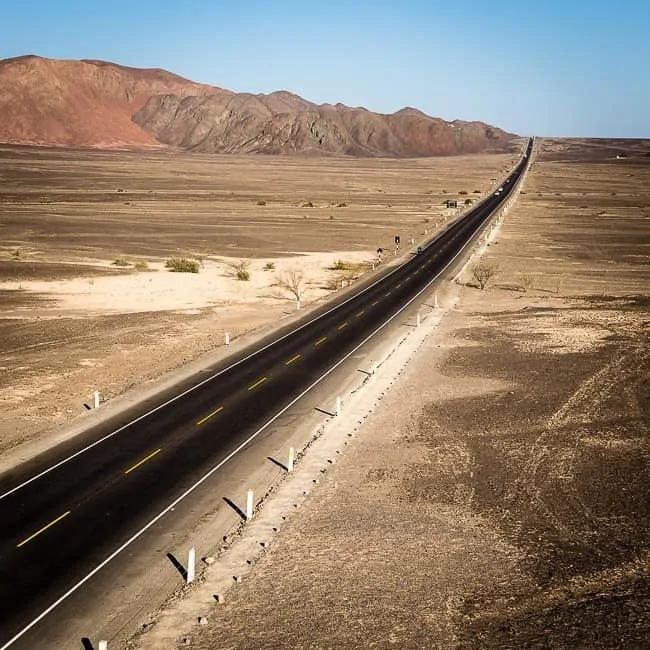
495, 496
71, 322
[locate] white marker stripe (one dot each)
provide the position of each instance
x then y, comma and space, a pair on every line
204, 478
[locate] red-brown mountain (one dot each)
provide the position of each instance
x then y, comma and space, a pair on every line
80, 103
104, 105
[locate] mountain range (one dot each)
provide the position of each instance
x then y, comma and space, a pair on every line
96, 104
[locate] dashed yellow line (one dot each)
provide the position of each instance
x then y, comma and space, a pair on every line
207, 417
343, 325
290, 361
399, 285
143, 461
42, 530
388, 293
375, 303
257, 383
321, 341
361, 313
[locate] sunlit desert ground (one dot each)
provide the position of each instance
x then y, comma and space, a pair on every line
497, 496
73, 322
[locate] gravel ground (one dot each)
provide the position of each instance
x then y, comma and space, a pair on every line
497, 497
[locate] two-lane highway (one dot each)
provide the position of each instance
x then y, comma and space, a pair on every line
61, 521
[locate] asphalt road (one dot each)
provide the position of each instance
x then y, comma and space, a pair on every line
63, 514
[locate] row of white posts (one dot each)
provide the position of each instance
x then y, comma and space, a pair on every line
250, 504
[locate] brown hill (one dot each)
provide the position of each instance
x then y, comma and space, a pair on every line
98, 104
281, 123
80, 103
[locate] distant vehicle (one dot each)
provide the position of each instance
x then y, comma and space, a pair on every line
419, 250
500, 189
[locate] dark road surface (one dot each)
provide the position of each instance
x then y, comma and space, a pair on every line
58, 526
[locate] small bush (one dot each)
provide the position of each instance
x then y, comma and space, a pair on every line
526, 282
468, 201
462, 192
269, 266
121, 261
342, 205
241, 270
308, 204
262, 202
476, 192
340, 265
182, 265
141, 265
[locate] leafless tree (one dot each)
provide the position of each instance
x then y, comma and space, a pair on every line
293, 281
482, 272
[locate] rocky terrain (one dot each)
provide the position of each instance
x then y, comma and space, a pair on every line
95, 104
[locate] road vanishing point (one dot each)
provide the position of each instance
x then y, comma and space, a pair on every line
68, 513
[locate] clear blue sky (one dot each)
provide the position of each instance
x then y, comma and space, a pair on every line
550, 67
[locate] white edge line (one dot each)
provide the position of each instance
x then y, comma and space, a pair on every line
189, 390
208, 379
205, 477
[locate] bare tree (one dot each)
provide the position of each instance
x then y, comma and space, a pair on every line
293, 281
482, 272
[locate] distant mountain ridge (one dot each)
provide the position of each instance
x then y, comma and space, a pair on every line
98, 104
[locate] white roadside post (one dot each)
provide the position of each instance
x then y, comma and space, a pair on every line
103, 645
338, 406
249, 505
417, 320
227, 339
191, 565
435, 300
96, 399
290, 463
297, 304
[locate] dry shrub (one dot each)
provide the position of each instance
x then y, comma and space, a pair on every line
483, 272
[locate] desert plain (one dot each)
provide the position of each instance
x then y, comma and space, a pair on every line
496, 497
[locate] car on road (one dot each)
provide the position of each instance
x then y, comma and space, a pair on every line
419, 250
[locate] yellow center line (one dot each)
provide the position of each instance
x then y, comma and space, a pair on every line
207, 417
388, 293
343, 325
290, 361
321, 341
399, 285
361, 313
375, 303
141, 462
38, 532
257, 383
